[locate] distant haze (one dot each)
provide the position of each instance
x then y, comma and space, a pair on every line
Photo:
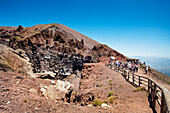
160, 64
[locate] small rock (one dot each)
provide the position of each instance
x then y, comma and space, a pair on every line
29, 106
53, 82
17, 82
82, 104
33, 90
90, 105
18, 77
3, 94
36, 108
6, 79
98, 107
8, 102
104, 105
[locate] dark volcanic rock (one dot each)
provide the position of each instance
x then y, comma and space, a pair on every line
55, 48
20, 28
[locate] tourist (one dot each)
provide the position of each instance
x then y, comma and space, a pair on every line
130, 66
123, 65
136, 66
146, 70
126, 65
117, 63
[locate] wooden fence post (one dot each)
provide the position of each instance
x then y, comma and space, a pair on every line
128, 75
149, 85
163, 107
154, 96
133, 77
139, 81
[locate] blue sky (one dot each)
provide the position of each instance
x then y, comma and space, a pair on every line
132, 27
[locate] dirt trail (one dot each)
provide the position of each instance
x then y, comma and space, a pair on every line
141, 72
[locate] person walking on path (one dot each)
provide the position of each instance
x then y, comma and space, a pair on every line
133, 68
146, 70
136, 66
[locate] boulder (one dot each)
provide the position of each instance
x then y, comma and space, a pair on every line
56, 91
10, 59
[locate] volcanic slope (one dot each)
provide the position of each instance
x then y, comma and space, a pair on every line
56, 37
46, 44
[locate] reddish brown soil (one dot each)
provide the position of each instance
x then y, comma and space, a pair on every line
127, 100
15, 95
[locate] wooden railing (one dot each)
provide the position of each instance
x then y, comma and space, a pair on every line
158, 96
157, 75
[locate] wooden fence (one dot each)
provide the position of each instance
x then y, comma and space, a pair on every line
156, 76
158, 96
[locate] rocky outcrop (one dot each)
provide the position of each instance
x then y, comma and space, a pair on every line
20, 28
49, 48
11, 60
56, 37
55, 48
103, 52
57, 90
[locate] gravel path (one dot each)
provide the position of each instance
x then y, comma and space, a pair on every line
142, 73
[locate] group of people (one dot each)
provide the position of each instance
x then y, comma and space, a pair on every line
132, 66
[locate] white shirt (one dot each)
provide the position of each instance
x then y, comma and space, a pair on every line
146, 67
